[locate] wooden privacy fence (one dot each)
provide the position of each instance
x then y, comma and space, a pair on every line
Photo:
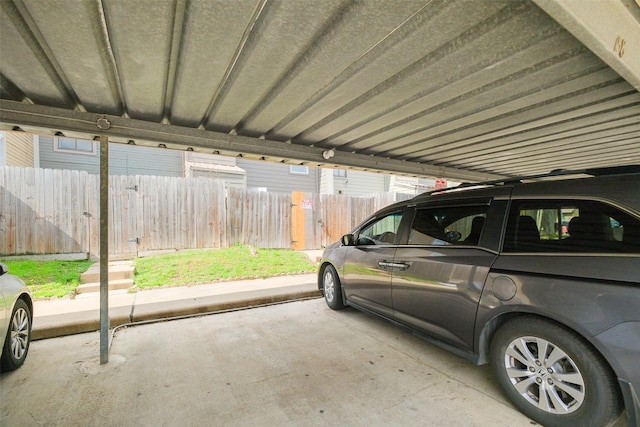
321, 219
44, 211
150, 213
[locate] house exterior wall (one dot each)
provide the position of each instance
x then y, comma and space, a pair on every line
326, 181
196, 157
123, 159
277, 177
414, 186
233, 179
18, 149
202, 165
359, 183
3, 149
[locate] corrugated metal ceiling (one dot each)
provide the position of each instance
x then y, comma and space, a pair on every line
459, 89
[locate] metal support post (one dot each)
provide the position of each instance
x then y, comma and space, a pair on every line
104, 249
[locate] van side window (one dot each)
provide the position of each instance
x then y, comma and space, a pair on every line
383, 231
570, 226
448, 226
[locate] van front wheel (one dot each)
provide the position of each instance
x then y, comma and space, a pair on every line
331, 288
16, 344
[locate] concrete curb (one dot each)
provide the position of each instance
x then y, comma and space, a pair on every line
57, 325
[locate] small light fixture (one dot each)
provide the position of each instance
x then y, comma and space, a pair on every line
59, 134
327, 154
189, 148
215, 152
131, 142
17, 129
162, 145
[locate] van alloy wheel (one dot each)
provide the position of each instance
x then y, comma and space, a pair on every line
16, 345
544, 375
553, 375
331, 288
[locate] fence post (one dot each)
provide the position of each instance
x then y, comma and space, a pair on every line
297, 221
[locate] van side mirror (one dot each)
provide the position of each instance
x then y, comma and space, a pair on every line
3, 269
348, 240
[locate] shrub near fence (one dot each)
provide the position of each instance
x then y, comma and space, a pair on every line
44, 211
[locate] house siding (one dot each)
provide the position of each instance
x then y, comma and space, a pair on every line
414, 186
201, 165
3, 149
123, 159
19, 149
358, 183
276, 177
196, 157
326, 181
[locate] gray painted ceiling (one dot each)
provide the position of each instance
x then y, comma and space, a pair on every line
459, 89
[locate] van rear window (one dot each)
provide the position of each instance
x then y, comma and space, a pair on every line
570, 226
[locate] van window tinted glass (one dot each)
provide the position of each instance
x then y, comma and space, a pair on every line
448, 226
570, 226
382, 231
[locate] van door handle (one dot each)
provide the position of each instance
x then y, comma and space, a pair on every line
399, 266
384, 264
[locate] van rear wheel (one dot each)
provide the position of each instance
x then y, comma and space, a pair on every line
553, 376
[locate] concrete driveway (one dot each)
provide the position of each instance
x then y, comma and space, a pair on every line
296, 364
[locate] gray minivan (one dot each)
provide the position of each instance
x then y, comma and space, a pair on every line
538, 275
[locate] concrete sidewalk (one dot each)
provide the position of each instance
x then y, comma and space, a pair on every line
82, 314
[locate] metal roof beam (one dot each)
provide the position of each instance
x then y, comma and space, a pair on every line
610, 29
121, 129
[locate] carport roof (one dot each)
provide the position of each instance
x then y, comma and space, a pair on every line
468, 90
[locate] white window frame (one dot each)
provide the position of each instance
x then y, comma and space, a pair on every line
340, 173
93, 152
295, 172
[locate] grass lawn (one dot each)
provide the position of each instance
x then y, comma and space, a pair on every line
56, 279
48, 279
238, 262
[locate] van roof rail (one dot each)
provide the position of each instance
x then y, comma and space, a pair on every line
613, 170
